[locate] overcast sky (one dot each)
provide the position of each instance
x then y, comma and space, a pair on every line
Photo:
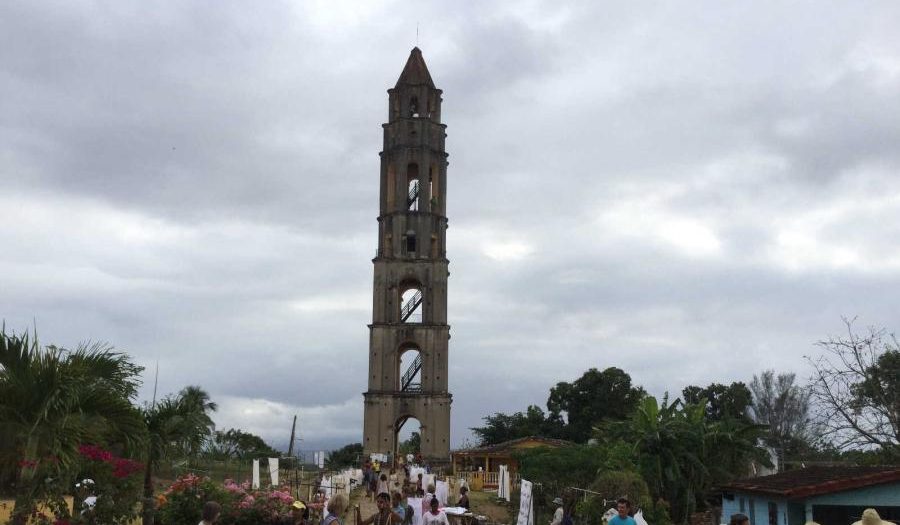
692, 192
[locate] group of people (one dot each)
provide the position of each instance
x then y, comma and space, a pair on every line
392, 493
394, 509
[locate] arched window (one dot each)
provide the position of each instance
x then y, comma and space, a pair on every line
411, 305
408, 436
410, 242
412, 186
414, 107
409, 369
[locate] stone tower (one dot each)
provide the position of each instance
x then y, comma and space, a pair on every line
409, 312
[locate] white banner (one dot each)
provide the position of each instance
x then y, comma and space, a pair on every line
526, 509
255, 474
273, 471
416, 504
321, 462
503, 488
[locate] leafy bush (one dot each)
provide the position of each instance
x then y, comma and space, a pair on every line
182, 503
116, 484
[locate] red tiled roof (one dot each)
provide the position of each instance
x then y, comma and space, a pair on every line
507, 446
814, 481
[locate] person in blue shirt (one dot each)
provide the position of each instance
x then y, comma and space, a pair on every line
623, 506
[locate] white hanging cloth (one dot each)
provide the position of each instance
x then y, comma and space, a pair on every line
526, 508
442, 491
503, 483
273, 471
255, 474
416, 505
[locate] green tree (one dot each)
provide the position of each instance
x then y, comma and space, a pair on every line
681, 453
53, 400
502, 427
732, 401
592, 398
237, 444
174, 425
856, 390
413, 445
346, 456
783, 407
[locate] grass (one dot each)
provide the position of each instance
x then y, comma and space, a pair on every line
487, 504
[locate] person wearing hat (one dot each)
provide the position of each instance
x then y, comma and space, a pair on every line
299, 513
871, 517
559, 513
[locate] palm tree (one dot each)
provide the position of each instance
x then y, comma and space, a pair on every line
52, 400
681, 454
176, 425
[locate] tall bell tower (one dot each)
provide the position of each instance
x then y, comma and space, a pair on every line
409, 313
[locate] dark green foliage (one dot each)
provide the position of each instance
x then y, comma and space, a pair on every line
591, 399
237, 444
53, 400
682, 454
732, 401
346, 456
505, 427
413, 445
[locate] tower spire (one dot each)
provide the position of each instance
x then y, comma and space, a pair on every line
415, 72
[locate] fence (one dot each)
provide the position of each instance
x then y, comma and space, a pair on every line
479, 479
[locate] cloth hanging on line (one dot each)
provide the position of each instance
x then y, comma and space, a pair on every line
442, 491
255, 474
526, 508
273, 471
416, 505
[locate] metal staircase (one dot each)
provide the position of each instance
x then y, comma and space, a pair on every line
406, 384
413, 196
410, 306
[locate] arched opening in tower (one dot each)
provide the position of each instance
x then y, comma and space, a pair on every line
409, 369
412, 186
408, 438
411, 305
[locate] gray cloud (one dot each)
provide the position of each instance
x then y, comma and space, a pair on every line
690, 194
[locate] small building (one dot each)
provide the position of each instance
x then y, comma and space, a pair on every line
490, 457
826, 495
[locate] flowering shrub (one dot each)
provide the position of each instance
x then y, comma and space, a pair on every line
114, 482
182, 503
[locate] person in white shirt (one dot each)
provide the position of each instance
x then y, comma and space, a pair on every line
558, 515
435, 516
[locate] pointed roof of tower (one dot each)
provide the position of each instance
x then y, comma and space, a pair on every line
415, 71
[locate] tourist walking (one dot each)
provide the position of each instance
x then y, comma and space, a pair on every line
337, 505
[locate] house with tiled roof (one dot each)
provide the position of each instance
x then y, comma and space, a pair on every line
827, 495
487, 459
